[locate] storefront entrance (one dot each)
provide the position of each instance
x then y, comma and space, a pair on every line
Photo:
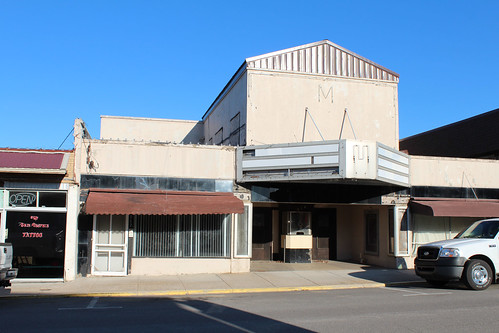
262, 234
324, 234
110, 245
269, 227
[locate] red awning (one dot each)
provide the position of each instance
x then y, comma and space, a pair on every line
41, 161
455, 207
143, 202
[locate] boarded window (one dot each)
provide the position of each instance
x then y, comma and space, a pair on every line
235, 124
219, 137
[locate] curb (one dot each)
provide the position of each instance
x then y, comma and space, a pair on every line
215, 291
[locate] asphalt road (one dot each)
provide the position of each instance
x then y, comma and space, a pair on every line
416, 308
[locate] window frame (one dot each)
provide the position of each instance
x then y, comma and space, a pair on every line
367, 229
248, 216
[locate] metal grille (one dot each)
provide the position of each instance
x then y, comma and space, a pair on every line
182, 236
428, 252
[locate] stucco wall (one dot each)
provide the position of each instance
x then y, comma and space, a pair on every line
383, 258
454, 172
160, 160
277, 102
345, 234
151, 129
175, 266
225, 109
351, 235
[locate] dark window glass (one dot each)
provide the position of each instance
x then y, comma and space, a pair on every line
22, 199
372, 233
52, 199
391, 231
38, 243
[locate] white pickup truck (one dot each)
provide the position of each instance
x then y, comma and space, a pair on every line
7, 273
472, 256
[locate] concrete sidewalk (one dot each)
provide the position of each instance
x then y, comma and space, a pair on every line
264, 277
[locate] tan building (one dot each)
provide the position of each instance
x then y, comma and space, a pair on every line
297, 160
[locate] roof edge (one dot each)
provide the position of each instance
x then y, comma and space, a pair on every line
459, 122
324, 41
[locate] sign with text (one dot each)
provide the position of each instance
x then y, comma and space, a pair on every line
22, 199
38, 240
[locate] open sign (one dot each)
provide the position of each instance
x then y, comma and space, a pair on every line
23, 199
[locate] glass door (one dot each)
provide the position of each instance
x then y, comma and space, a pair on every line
109, 245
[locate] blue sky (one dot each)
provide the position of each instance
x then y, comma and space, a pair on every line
62, 60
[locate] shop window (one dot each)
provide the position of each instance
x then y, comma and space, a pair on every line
391, 231
23, 199
371, 233
48, 199
182, 236
242, 233
52, 199
297, 223
404, 233
38, 240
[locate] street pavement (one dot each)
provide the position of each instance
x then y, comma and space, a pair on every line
263, 277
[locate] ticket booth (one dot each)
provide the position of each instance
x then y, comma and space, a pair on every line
297, 238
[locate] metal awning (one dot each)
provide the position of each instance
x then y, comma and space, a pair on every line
455, 207
156, 202
34, 161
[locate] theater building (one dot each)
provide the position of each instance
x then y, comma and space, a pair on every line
297, 160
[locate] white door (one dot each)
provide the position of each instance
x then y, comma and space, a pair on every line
110, 245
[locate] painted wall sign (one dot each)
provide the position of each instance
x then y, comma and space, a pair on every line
22, 199
326, 94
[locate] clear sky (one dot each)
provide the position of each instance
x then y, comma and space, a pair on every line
61, 60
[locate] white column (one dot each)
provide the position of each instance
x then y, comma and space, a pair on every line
71, 246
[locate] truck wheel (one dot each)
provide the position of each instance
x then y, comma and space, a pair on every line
477, 274
437, 283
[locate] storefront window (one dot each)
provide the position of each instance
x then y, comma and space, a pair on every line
297, 223
242, 233
39, 240
391, 231
371, 230
42, 199
51, 199
404, 233
22, 199
182, 236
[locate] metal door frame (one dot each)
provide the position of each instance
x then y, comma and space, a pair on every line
123, 246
